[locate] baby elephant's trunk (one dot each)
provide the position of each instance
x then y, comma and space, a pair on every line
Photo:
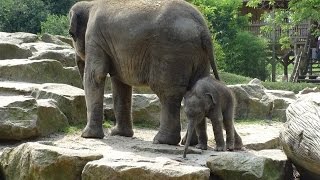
189, 136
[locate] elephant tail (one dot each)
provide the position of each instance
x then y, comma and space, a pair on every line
208, 47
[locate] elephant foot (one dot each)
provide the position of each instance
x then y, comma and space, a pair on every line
89, 132
194, 140
116, 131
202, 146
238, 145
230, 146
220, 148
163, 138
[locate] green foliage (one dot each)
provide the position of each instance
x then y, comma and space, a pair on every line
55, 24
59, 7
231, 79
107, 124
236, 51
248, 56
25, 16
288, 86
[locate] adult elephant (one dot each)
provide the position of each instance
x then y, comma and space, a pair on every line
161, 43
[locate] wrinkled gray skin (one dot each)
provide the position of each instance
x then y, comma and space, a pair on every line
211, 99
164, 44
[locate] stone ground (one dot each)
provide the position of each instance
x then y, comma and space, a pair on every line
139, 148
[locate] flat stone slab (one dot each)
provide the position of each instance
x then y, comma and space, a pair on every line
138, 158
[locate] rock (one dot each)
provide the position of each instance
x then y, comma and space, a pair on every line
308, 90
267, 164
42, 46
50, 119
252, 102
162, 168
38, 71
69, 99
38, 161
18, 115
18, 37
65, 56
145, 109
259, 136
256, 81
17, 88
22, 117
48, 38
13, 51
65, 39
281, 101
300, 137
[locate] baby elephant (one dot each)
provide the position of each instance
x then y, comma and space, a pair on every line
214, 100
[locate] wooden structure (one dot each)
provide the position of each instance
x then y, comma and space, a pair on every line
305, 69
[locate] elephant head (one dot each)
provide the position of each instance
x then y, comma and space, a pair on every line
78, 16
197, 106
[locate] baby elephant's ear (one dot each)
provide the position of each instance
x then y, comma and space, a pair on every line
211, 98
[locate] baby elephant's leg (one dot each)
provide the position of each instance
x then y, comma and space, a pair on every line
229, 127
237, 141
201, 130
218, 131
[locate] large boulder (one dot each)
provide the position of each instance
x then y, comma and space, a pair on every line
22, 117
38, 71
69, 99
65, 56
48, 38
136, 169
43, 46
301, 136
18, 37
281, 101
13, 51
38, 161
17, 88
18, 115
252, 102
266, 164
145, 108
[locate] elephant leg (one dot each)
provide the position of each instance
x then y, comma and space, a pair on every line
170, 127
218, 130
194, 139
229, 127
122, 99
237, 141
95, 72
201, 130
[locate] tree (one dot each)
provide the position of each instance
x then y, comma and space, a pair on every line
297, 12
59, 7
234, 52
55, 24
24, 16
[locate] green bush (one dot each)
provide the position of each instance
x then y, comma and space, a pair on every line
231, 79
55, 24
59, 7
22, 16
247, 56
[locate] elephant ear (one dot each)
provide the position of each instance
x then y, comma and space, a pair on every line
212, 101
74, 18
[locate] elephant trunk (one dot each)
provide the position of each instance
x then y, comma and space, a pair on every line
189, 136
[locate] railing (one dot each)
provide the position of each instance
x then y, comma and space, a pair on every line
297, 33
